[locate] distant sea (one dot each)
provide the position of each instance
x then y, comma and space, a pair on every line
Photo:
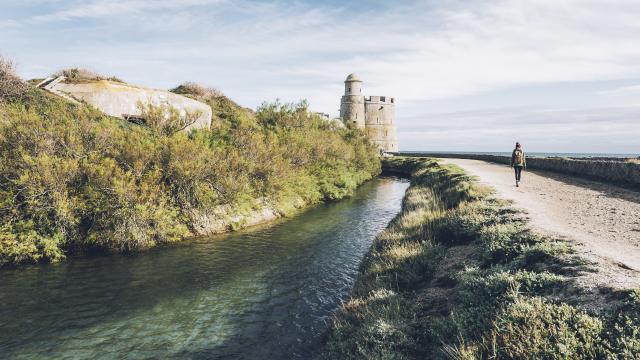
536, 154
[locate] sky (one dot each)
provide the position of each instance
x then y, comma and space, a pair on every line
467, 75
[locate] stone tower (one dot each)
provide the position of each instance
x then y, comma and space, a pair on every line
374, 114
352, 104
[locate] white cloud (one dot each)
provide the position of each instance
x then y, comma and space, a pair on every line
417, 51
105, 8
633, 90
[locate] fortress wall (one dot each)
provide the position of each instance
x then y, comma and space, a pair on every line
352, 107
380, 114
617, 172
383, 135
121, 100
387, 146
380, 99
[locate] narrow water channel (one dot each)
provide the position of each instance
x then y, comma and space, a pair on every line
260, 294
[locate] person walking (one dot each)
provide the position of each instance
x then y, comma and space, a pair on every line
518, 162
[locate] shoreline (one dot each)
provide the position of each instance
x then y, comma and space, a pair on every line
218, 222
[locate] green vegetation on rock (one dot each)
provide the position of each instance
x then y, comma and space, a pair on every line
458, 275
79, 75
75, 180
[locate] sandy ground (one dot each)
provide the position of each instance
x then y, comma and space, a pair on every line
603, 221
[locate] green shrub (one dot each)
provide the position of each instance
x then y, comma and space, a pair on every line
12, 88
166, 119
79, 74
378, 331
622, 333
73, 178
532, 328
22, 243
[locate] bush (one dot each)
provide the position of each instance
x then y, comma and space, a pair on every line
532, 328
226, 113
166, 119
198, 91
79, 74
20, 243
75, 179
12, 88
379, 331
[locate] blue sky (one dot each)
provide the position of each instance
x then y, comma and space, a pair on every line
558, 76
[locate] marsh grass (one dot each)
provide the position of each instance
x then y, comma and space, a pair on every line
457, 274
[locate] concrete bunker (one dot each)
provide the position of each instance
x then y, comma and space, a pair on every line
123, 100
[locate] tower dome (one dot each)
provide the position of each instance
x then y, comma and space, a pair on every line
353, 78
353, 85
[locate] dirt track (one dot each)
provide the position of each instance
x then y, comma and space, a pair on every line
602, 220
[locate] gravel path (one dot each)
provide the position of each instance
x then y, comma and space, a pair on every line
602, 220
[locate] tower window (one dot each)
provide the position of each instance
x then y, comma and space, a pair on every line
349, 90
382, 98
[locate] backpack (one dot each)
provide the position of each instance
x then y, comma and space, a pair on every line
518, 157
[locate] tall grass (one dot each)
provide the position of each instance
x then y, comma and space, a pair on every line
458, 275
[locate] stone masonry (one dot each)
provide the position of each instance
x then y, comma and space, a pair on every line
374, 114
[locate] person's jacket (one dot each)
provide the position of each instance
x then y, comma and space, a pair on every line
522, 162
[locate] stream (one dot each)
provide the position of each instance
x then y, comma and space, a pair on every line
265, 293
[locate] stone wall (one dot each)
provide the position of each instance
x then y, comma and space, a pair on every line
352, 110
608, 170
379, 122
